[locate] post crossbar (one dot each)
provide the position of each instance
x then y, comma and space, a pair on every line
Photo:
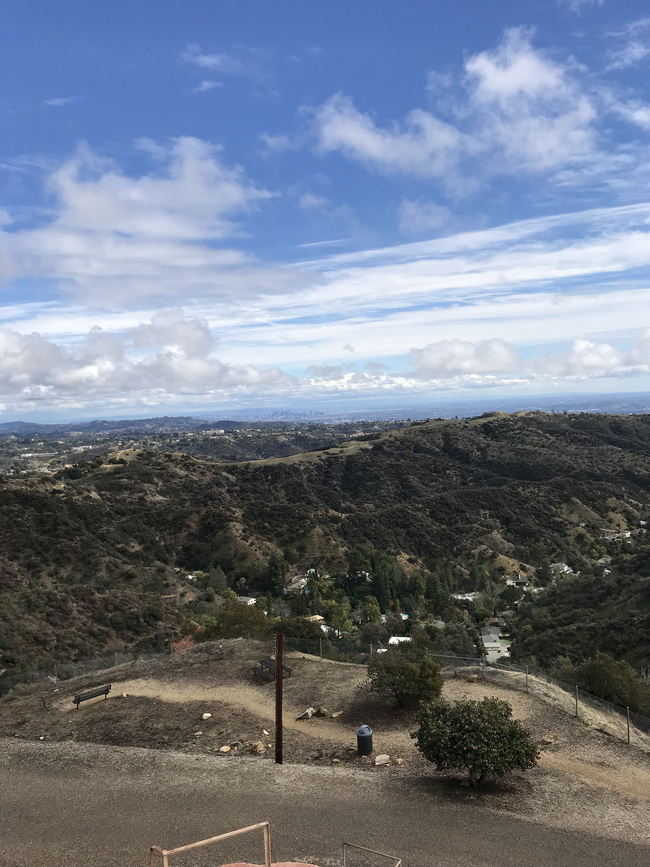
397, 862
164, 854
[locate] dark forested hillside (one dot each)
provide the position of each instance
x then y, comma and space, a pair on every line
88, 557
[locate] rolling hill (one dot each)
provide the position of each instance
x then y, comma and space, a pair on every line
86, 556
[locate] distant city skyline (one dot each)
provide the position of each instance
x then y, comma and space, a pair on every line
365, 205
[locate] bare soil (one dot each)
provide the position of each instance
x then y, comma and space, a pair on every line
586, 778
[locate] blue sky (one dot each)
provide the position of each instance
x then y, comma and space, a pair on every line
229, 204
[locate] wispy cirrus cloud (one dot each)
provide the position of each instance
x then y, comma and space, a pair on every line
632, 44
206, 85
61, 101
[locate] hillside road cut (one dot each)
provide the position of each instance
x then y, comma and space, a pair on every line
84, 805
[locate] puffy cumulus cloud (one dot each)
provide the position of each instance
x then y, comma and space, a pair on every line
191, 199
423, 145
489, 361
460, 357
515, 111
169, 328
115, 238
170, 355
585, 359
531, 108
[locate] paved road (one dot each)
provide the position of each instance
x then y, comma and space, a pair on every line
71, 805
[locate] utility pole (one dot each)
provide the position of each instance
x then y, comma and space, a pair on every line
279, 672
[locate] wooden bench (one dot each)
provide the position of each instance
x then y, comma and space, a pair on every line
92, 693
267, 666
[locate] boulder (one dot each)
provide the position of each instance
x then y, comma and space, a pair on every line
206, 716
308, 714
197, 734
337, 715
258, 748
322, 712
473, 678
224, 749
549, 738
382, 759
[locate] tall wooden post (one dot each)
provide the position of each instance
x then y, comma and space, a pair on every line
279, 672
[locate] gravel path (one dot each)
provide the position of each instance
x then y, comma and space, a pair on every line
87, 805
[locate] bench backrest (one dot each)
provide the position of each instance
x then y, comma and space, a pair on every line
92, 693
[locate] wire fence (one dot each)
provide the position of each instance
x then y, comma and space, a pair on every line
625, 724
614, 719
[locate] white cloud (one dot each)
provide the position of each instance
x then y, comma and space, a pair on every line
578, 5
106, 365
276, 144
516, 111
453, 357
227, 64
206, 85
115, 238
416, 217
633, 44
423, 146
60, 101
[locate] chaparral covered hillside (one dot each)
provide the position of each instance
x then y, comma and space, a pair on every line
98, 555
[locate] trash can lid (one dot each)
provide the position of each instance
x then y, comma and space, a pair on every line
364, 731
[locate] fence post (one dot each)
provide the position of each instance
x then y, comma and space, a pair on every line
526, 678
576, 701
627, 713
320, 648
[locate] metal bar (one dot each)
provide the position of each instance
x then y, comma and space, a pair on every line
397, 862
279, 672
226, 836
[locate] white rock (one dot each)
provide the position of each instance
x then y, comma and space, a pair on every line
225, 749
264, 732
308, 714
383, 759
206, 716
197, 734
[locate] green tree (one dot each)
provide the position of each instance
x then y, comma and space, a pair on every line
478, 736
370, 611
392, 674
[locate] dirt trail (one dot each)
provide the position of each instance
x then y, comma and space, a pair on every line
259, 705
630, 782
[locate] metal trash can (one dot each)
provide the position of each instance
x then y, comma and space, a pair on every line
364, 740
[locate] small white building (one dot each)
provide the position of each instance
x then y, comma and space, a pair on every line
399, 639
246, 600
465, 597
